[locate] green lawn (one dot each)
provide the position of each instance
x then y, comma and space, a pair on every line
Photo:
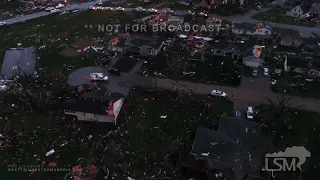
293, 127
125, 64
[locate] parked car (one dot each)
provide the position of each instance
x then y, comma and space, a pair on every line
255, 72
92, 8
139, 9
265, 71
238, 114
152, 10
218, 93
250, 113
54, 10
120, 9
258, 7
273, 82
2, 23
203, 14
108, 8
114, 71
98, 77
50, 8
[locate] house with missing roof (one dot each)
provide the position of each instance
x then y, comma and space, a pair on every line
144, 46
117, 44
260, 29
235, 148
302, 65
99, 106
252, 56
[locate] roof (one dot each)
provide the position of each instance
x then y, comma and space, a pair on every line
96, 103
248, 133
252, 52
316, 65
220, 147
234, 46
142, 41
296, 61
237, 145
118, 41
244, 26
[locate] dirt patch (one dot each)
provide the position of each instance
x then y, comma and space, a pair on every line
77, 49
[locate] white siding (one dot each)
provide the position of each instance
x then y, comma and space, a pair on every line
295, 12
81, 116
262, 32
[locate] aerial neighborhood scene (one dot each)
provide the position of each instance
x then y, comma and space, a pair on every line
160, 90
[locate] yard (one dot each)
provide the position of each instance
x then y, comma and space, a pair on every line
293, 127
152, 129
125, 64
277, 15
196, 67
57, 34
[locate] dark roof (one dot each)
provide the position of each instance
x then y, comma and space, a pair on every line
316, 65
244, 26
87, 105
296, 61
97, 102
248, 133
312, 42
305, 7
237, 145
233, 46
283, 32
220, 147
142, 41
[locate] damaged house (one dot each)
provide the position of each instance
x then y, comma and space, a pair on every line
260, 29
144, 46
235, 149
99, 106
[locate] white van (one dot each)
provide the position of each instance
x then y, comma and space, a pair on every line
250, 113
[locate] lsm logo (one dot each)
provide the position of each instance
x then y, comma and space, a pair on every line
289, 160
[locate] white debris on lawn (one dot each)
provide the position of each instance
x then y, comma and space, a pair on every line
205, 154
130, 178
163, 116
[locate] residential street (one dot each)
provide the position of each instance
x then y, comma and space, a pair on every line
306, 31
244, 97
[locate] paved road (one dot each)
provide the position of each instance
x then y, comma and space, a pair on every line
243, 97
238, 18
83, 6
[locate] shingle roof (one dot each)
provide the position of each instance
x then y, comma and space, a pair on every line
249, 53
237, 145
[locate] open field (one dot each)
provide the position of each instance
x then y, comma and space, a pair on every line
143, 143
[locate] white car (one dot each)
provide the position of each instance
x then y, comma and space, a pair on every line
273, 82
218, 93
2, 23
203, 14
153, 10
140, 9
50, 8
190, 12
250, 113
120, 9
54, 10
109, 8
92, 8
255, 73
265, 71
98, 77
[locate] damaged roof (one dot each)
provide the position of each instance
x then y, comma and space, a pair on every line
237, 144
237, 47
143, 41
296, 61
118, 41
